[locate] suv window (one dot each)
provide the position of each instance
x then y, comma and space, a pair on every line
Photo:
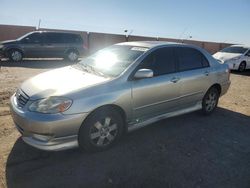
161, 61
189, 58
72, 38
53, 37
33, 38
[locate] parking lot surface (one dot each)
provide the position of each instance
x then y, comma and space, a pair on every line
186, 151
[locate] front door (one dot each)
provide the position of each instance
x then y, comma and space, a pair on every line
32, 45
159, 94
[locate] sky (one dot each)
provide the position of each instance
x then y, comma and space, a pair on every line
211, 20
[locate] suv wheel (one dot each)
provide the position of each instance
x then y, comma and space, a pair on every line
242, 66
210, 100
15, 55
72, 55
100, 130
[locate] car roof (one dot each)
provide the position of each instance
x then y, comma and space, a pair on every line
240, 45
152, 44
55, 32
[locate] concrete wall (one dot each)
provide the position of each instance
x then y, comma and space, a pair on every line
95, 41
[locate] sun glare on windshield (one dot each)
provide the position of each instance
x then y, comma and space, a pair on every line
105, 60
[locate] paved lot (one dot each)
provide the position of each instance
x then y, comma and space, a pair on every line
187, 151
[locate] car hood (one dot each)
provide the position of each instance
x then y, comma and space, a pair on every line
225, 56
8, 42
59, 82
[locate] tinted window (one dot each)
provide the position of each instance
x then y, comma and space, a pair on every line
161, 61
53, 38
33, 38
235, 49
72, 38
190, 58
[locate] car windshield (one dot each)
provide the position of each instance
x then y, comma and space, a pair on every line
112, 61
22, 37
235, 50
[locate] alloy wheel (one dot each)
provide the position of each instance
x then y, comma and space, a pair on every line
103, 132
16, 56
211, 101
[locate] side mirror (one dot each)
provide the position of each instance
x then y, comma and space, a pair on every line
144, 73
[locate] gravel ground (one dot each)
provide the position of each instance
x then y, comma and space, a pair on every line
187, 151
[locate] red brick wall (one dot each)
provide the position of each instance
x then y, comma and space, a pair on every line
9, 32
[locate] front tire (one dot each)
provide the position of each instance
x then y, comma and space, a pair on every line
15, 55
210, 101
100, 130
242, 67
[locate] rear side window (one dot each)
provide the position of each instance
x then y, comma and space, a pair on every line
72, 38
189, 58
161, 61
53, 38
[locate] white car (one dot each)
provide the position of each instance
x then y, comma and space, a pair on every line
236, 56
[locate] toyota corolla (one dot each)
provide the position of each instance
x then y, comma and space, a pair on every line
118, 89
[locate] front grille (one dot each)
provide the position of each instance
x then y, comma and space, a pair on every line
22, 98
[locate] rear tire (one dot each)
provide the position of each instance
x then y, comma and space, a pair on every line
100, 130
242, 67
72, 55
15, 55
210, 101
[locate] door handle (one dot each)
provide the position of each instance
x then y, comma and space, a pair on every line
175, 79
206, 73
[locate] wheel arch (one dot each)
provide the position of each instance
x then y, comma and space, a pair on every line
71, 49
217, 86
14, 48
107, 107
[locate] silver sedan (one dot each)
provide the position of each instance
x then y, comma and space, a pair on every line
118, 89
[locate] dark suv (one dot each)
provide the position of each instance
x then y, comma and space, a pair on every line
44, 44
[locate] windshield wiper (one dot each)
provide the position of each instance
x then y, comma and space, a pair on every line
90, 69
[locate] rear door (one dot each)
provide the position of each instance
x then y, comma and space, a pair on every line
159, 94
54, 44
195, 75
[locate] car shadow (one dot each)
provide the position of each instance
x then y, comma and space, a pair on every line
245, 73
187, 151
37, 63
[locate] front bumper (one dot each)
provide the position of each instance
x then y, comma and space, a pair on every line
50, 132
233, 65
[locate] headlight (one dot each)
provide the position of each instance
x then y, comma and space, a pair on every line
236, 58
51, 105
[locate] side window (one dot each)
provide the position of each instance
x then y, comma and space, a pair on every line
33, 38
189, 58
53, 38
161, 61
72, 38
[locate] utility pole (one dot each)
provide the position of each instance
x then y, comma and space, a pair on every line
39, 23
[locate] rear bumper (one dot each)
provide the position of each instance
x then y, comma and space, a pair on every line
51, 132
